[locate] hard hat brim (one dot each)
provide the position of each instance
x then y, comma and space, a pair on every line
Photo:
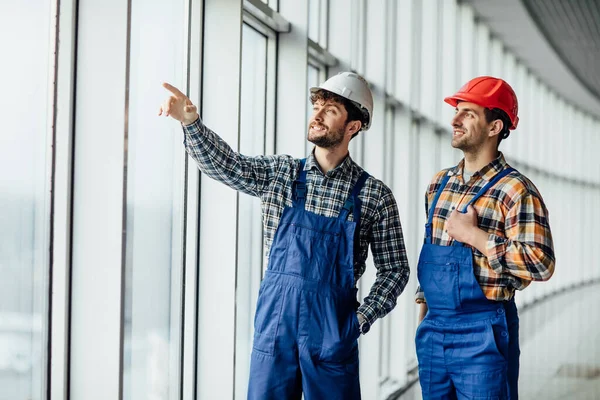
453, 100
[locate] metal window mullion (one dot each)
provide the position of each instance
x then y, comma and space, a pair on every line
270, 97
182, 306
58, 357
189, 345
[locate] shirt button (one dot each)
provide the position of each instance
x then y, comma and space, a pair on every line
504, 333
501, 311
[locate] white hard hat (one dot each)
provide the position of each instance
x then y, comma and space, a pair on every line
352, 87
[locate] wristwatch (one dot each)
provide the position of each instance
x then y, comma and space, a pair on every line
364, 326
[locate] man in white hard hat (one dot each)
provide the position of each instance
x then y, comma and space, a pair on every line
320, 216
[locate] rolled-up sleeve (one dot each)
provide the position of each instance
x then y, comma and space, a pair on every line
527, 250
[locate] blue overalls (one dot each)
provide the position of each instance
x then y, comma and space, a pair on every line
306, 328
467, 345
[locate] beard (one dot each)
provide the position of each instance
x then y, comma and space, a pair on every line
469, 143
328, 139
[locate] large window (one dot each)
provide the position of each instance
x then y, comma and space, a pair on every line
154, 247
405, 183
430, 78
316, 76
317, 21
24, 200
404, 51
256, 137
387, 336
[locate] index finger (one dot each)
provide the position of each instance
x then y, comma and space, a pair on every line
173, 89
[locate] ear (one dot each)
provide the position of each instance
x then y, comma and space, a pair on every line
353, 127
495, 127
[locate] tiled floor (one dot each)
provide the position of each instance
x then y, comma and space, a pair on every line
560, 351
560, 348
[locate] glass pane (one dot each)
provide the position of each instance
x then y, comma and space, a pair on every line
154, 206
429, 53
314, 77
314, 8
24, 200
250, 234
406, 36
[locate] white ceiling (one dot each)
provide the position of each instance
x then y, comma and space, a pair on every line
511, 23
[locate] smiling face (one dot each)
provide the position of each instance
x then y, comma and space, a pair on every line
470, 128
327, 124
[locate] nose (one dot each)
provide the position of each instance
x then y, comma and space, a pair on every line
318, 115
456, 121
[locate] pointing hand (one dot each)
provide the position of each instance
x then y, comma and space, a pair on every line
178, 106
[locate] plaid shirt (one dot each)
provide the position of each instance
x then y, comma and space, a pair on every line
513, 212
271, 177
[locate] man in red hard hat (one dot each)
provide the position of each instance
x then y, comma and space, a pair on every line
487, 235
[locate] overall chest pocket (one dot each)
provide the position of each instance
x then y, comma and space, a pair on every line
311, 254
440, 283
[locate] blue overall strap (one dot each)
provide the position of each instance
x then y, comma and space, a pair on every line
428, 225
491, 183
353, 203
299, 187
482, 191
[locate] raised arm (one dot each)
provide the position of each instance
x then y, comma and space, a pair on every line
213, 155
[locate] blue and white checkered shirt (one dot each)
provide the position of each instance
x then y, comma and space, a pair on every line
270, 178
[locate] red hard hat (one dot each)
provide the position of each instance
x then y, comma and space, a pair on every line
489, 92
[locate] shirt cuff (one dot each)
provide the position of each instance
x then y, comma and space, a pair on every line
368, 312
496, 250
192, 125
192, 132
419, 296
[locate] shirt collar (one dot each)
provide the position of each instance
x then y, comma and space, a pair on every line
345, 167
487, 172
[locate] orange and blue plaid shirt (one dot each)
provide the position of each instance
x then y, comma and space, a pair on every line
520, 248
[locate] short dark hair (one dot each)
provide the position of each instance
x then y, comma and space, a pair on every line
492, 114
354, 112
